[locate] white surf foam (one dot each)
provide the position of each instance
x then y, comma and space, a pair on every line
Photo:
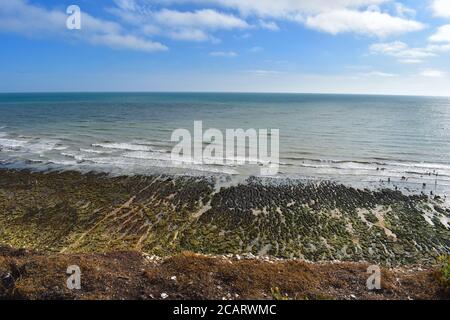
123, 146
41, 146
11, 143
95, 151
77, 157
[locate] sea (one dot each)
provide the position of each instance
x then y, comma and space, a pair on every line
400, 142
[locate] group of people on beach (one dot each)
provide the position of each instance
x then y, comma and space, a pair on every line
424, 184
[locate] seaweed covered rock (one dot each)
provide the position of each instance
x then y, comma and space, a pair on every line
163, 215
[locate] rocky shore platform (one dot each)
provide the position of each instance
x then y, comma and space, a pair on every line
279, 226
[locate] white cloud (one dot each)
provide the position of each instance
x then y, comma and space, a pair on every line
432, 73
256, 49
441, 8
245, 36
146, 19
126, 4
205, 18
439, 47
442, 34
197, 25
228, 54
189, 35
269, 25
389, 47
411, 61
283, 8
407, 55
126, 42
404, 11
402, 51
337, 16
378, 74
262, 72
21, 17
367, 22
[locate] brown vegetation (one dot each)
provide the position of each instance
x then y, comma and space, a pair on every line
131, 275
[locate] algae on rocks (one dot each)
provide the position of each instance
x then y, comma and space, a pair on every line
163, 215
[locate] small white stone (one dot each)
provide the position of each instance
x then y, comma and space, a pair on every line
164, 295
173, 278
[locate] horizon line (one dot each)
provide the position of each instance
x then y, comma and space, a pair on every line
229, 92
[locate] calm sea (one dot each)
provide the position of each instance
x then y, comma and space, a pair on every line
362, 140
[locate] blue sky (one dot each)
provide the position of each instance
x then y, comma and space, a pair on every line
325, 46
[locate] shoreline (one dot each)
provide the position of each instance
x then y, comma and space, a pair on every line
406, 188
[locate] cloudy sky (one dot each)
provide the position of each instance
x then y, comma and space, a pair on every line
326, 46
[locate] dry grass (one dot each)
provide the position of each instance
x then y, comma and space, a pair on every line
130, 275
